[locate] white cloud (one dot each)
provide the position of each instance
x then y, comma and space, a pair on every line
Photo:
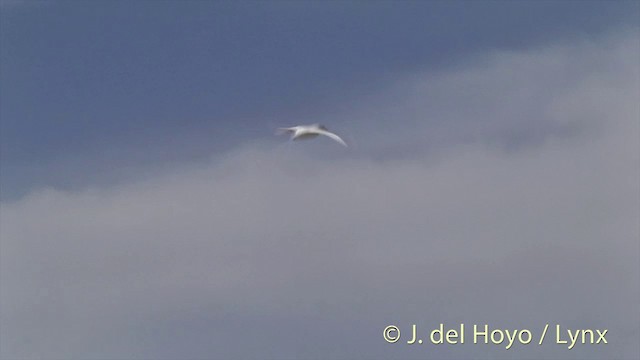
307, 257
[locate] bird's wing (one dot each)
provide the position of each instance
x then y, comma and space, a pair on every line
332, 135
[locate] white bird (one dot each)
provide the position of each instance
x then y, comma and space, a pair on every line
310, 131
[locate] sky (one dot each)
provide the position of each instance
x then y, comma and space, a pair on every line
148, 211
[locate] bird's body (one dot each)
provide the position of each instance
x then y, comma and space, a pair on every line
309, 132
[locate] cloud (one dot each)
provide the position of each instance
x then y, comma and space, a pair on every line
502, 193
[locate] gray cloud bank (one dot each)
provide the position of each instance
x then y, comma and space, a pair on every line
505, 193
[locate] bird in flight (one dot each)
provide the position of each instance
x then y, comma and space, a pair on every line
309, 132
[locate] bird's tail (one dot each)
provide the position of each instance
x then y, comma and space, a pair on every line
282, 131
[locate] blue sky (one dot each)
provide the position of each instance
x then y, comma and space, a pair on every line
111, 86
148, 211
